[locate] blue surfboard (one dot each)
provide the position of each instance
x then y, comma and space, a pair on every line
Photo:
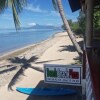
45, 91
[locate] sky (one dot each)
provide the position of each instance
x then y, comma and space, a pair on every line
37, 12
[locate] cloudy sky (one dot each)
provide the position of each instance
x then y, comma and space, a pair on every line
37, 12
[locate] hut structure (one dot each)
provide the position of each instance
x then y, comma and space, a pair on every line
91, 56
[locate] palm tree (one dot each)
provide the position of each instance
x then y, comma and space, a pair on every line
16, 5
59, 7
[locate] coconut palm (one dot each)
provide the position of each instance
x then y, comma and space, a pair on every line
59, 7
16, 5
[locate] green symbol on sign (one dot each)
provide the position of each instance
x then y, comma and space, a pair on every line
51, 73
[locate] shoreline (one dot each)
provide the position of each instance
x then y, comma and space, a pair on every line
35, 50
57, 49
20, 50
23, 53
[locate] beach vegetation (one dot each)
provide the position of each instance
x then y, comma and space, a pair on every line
81, 21
79, 26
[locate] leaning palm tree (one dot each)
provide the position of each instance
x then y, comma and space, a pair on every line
59, 7
16, 5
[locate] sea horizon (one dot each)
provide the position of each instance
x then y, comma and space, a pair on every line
10, 39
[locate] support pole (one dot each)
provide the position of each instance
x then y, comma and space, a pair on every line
89, 24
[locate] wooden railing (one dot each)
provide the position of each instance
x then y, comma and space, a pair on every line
91, 72
89, 85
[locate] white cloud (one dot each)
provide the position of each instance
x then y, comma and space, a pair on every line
31, 24
54, 13
49, 24
37, 8
7, 16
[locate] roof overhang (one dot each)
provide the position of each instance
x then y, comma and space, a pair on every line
75, 5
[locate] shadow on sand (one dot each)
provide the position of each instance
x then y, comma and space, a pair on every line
8, 70
41, 84
71, 48
47, 61
24, 63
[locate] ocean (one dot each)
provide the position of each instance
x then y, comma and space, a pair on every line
11, 40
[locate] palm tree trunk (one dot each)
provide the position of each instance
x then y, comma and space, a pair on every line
67, 27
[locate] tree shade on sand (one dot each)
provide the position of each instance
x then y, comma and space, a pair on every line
58, 5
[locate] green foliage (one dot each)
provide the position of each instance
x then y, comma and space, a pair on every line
54, 2
2, 5
80, 26
82, 22
70, 23
97, 18
63, 27
74, 27
17, 7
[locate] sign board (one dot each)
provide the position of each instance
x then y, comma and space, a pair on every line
65, 74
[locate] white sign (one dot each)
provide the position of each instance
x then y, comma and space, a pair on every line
66, 74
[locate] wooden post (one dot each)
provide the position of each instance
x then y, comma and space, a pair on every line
89, 24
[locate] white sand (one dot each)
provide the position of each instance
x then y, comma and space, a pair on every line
50, 51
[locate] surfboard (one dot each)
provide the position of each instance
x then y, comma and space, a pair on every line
46, 91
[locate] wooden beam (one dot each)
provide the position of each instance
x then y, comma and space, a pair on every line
89, 24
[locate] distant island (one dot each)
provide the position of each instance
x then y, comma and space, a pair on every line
37, 26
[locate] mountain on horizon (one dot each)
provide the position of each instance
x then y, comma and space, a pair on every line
38, 26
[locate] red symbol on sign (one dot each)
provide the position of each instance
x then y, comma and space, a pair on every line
73, 74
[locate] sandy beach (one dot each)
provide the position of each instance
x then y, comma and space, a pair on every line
30, 60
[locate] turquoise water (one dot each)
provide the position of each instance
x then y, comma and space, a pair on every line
11, 40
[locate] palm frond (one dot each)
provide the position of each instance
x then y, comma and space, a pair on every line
17, 6
16, 78
15, 17
37, 68
2, 5
54, 2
